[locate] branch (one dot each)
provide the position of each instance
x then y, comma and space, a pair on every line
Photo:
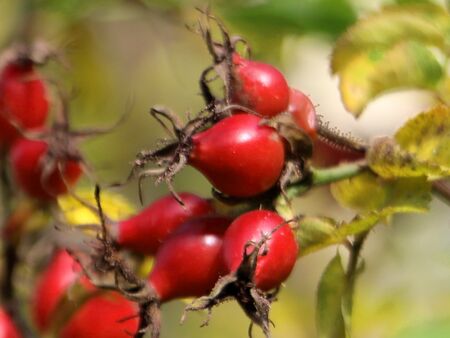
319, 177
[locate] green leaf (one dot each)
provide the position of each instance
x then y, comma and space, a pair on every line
376, 70
332, 285
427, 23
428, 329
273, 17
427, 137
315, 233
369, 193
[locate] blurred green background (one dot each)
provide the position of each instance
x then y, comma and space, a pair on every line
130, 55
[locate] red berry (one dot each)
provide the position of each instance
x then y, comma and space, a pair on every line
189, 262
302, 111
327, 154
7, 328
260, 87
282, 249
28, 165
23, 99
108, 315
146, 231
52, 285
239, 156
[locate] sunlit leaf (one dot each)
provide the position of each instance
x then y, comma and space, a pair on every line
427, 23
367, 192
388, 160
377, 70
114, 205
315, 233
329, 318
427, 137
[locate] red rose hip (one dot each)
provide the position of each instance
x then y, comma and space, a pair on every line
239, 156
28, 165
7, 328
147, 230
259, 86
303, 112
23, 100
189, 262
282, 249
107, 315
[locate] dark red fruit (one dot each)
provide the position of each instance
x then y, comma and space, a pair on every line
28, 163
303, 112
62, 272
7, 328
239, 156
147, 230
23, 100
327, 154
259, 86
282, 249
189, 262
108, 315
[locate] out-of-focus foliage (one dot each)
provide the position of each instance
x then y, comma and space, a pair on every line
140, 51
114, 205
330, 293
391, 50
423, 148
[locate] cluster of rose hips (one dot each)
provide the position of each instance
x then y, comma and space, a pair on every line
249, 145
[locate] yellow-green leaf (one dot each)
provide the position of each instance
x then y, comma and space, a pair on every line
315, 233
369, 193
427, 137
389, 160
376, 70
427, 23
115, 206
329, 318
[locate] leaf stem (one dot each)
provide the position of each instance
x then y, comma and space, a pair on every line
353, 270
319, 177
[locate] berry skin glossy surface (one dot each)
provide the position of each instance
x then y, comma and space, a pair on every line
260, 87
23, 99
282, 249
7, 328
239, 156
28, 162
189, 262
51, 287
303, 112
145, 231
108, 315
